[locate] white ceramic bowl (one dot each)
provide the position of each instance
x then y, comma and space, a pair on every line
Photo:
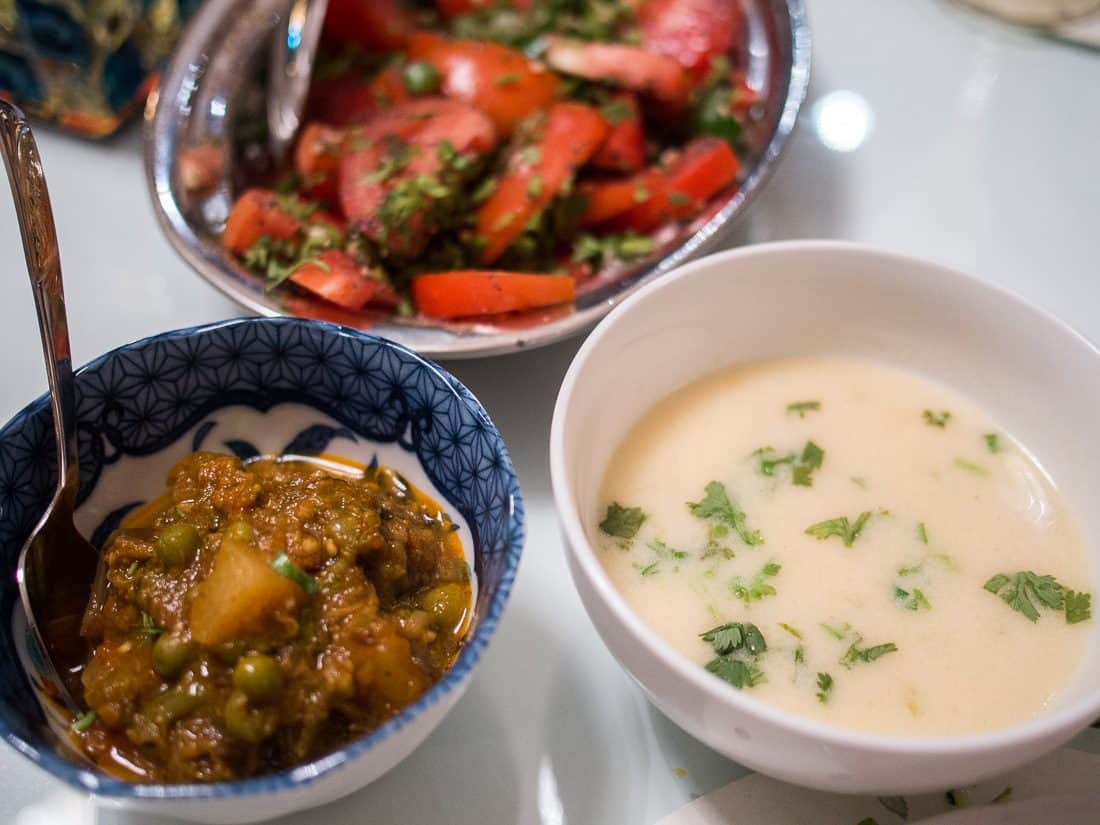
1038, 377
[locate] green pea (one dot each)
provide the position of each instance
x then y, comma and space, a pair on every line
258, 677
177, 543
246, 723
421, 78
240, 531
170, 655
175, 703
229, 652
447, 605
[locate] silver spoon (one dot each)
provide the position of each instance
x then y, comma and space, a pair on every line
292, 52
57, 565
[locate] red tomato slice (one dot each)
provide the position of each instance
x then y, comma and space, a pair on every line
657, 75
705, 166
255, 214
692, 31
341, 100
317, 159
569, 136
372, 24
496, 79
465, 293
609, 199
414, 132
336, 277
624, 149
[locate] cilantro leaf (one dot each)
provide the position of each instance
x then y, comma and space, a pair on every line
793, 631
757, 587
922, 533
647, 569
811, 459
717, 505
824, 687
1078, 607
914, 599
622, 522
1022, 590
734, 636
800, 408
971, 467
939, 419
663, 551
839, 527
768, 461
838, 631
865, 655
737, 673
993, 442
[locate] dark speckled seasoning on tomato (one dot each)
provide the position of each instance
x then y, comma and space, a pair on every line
255, 617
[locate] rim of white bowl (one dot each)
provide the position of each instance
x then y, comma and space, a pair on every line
1077, 715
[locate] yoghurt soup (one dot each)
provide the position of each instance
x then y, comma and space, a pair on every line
852, 543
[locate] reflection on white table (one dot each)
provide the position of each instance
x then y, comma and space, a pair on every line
929, 131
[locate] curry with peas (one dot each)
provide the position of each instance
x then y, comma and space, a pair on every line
260, 615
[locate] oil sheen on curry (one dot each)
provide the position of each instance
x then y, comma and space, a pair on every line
851, 543
258, 616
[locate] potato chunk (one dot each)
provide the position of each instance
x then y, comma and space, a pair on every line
240, 596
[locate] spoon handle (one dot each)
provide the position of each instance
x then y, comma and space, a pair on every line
291, 65
32, 206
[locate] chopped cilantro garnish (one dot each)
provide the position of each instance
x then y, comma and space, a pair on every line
800, 408
622, 522
663, 551
810, 460
1078, 607
1003, 796
285, 567
1025, 592
738, 673
992, 442
837, 631
678, 199
716, 505
914, 599
730, 640
824, 687
933, 419
911, 570
971, 467
508, 79
149, 626
839, 527
922, 533
769, 460
601, 250
647, 569
616, 111
421, 78
534, 186
956, 798
865, 655
758, 587
641, 193
793, 631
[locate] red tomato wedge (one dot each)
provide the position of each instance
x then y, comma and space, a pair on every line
466, 293
372, 24
571, 133
255, 214
657, 75
624, 149
694, 32
414, 130
501, 81
704, 167
317, 159
341, 100
609, 199
336, 277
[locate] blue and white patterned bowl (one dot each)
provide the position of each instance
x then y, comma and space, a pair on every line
250, 386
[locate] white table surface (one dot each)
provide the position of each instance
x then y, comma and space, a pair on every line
957, 139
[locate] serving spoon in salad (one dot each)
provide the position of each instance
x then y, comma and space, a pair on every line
57, 565
291, 65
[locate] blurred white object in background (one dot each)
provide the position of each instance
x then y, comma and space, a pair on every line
1036, 12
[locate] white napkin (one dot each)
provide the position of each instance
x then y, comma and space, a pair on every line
758, 800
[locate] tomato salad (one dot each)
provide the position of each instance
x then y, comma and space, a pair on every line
468, 157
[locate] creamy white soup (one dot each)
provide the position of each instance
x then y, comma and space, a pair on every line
850, 542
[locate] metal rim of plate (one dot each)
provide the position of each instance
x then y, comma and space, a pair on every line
207, 75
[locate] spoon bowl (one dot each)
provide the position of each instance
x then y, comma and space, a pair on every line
57, 565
